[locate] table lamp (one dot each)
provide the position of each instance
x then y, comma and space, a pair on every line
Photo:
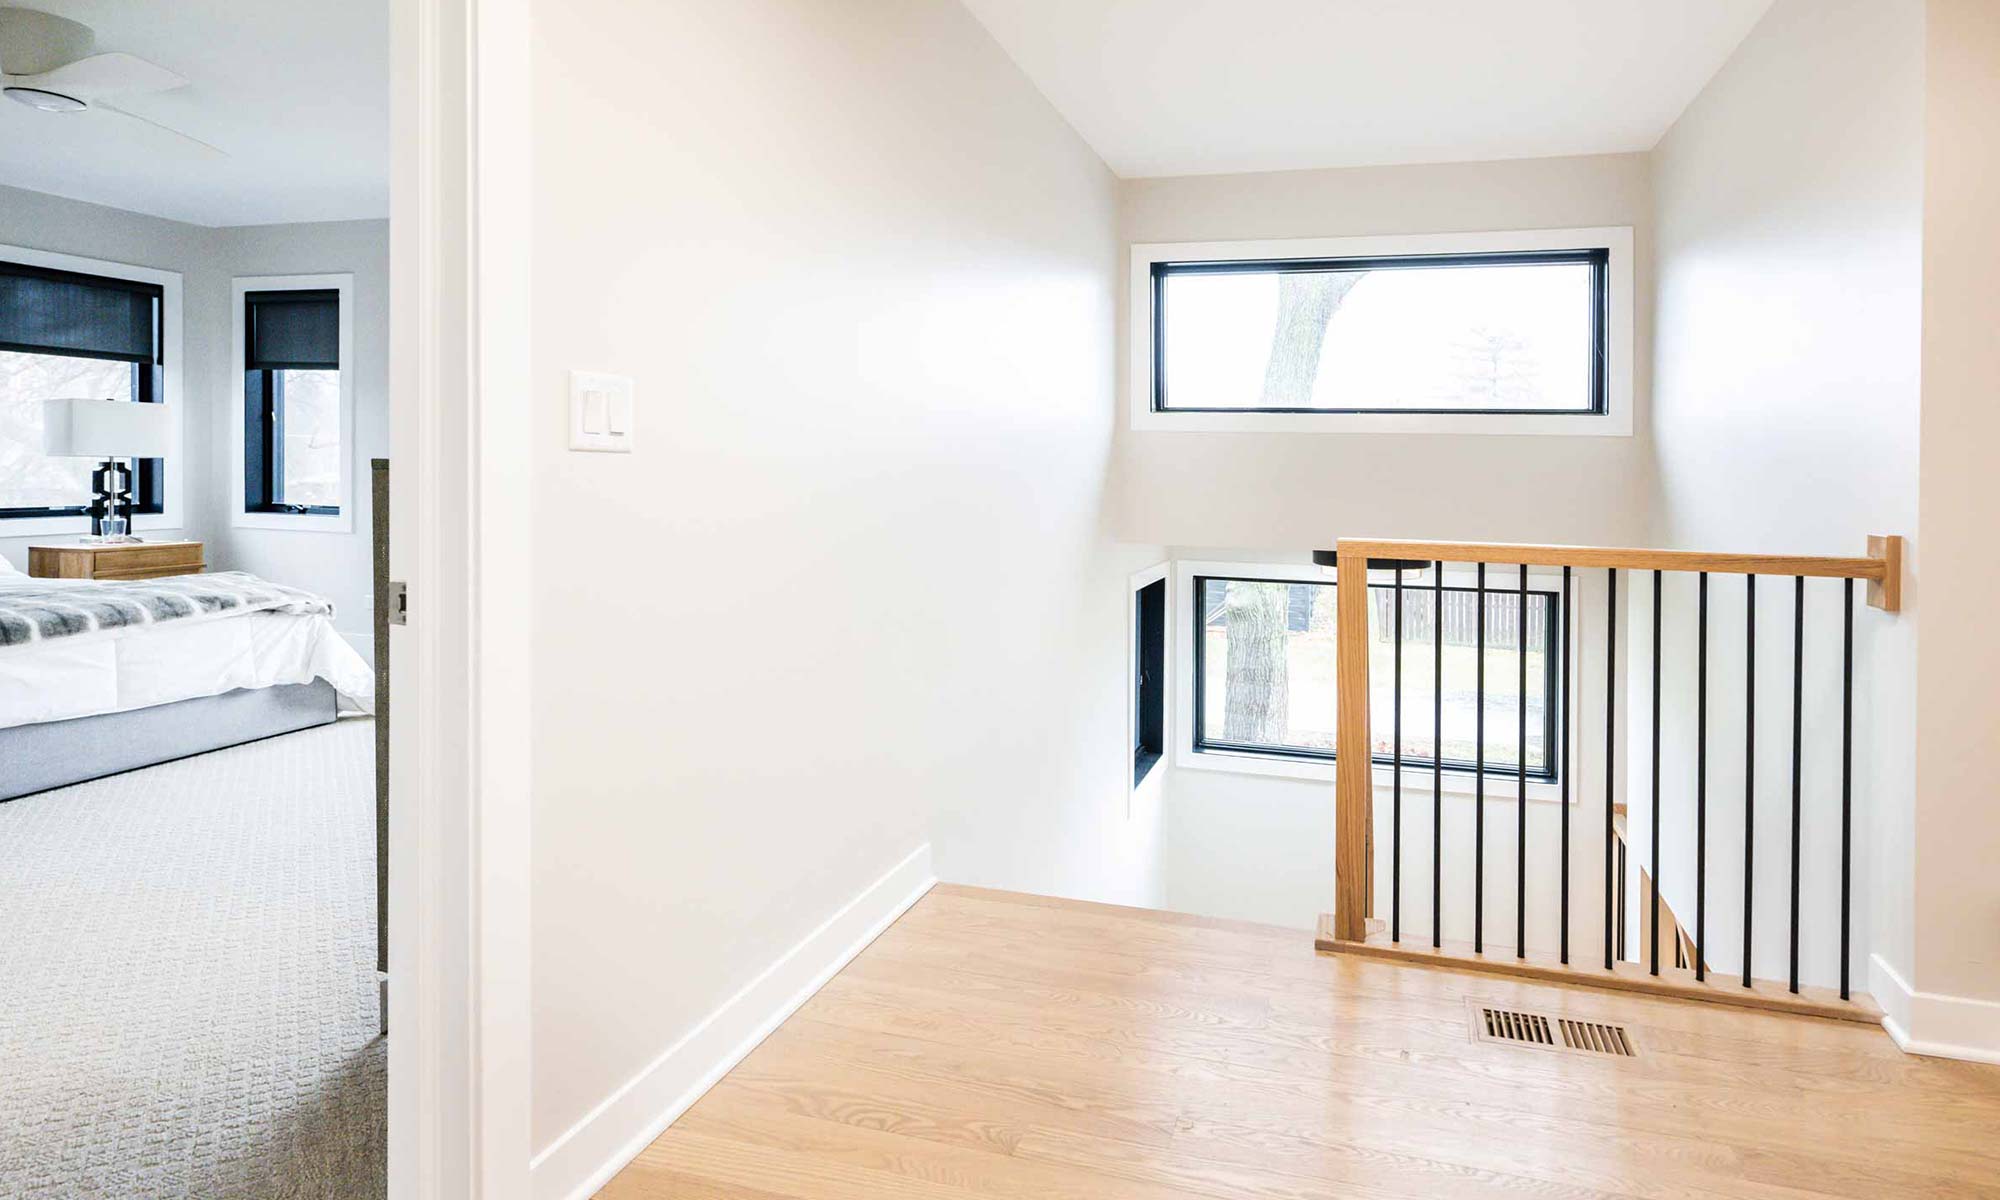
107, 430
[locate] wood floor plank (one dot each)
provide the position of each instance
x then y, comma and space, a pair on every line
993, 1045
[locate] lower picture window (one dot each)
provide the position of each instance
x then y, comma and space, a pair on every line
1266, 682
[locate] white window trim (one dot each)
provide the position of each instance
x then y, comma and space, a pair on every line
1180, 717
343, 522
1616, 421
1150, 786
169, 517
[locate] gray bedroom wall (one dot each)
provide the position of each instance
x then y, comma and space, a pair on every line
335, 564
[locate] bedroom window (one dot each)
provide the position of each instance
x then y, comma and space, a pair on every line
296, 420
66, 334
1467, 333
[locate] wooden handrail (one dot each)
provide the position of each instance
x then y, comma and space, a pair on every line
1880, 567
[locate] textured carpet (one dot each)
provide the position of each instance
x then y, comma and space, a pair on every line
187, 979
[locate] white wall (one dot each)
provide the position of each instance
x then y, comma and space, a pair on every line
1294, 493
855, 588
1957, 832
338, 565
1789, 207
335, 564
1261, 848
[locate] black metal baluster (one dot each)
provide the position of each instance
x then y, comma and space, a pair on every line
1479, 774
1396, 782
1798, 752
1749, 766
1610, 749
1437, 755
1701, 785
1653, 956
1521, 775
1846, 767
1562, 766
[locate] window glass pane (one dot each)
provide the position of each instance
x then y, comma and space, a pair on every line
1456, 338
1268, 664
1461, 662
312, 439
28, 479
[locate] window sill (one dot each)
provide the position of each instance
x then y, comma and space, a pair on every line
1617, 423
1416, 780
296, 522
24, 527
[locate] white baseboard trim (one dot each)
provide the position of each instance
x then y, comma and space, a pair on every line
585, 1157
1931, 1024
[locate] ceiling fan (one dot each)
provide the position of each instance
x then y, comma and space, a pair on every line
46, 63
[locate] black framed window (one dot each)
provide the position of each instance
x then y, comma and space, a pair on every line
291, 402
1504, 333
67, 335
1265, 679
1149, 685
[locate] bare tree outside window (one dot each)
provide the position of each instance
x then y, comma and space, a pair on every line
1306, 304
1494, 369
1257, 688
28, 478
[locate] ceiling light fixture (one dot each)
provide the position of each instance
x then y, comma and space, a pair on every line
46, 101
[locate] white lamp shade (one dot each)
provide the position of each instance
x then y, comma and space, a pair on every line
105, 429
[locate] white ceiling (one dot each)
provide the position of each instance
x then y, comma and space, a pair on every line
297, 92
1192, 87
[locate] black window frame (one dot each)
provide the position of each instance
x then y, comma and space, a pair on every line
1149, 683
264, 417
149, 475
1598, 258
1551, 681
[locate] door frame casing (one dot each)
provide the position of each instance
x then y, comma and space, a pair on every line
461, 417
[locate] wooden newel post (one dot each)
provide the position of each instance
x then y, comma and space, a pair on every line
1354, 776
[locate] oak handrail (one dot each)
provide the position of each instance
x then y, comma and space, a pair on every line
1878, 567
1354, 857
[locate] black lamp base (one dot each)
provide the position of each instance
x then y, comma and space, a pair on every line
112, 481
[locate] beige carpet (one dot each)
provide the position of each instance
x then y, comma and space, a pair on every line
187, 985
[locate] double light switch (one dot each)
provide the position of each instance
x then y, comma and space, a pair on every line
600, 412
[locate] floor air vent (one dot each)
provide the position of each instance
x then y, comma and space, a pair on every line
1518, 1028
1596, 1038
1506, 1025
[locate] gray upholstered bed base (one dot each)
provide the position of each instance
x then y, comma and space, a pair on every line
35, 758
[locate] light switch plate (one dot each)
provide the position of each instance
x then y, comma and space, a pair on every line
600, 412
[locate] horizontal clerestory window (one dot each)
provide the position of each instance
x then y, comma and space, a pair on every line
1489, 333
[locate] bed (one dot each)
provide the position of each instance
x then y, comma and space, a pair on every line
109, 677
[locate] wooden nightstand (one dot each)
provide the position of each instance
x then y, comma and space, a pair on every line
129, 560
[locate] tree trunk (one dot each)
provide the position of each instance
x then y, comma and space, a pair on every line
1257, 689
1306, 302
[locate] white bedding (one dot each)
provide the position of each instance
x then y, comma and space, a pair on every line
116, 670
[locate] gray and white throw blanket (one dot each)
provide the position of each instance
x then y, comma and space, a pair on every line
41, 610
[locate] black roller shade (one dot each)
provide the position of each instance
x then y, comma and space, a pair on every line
296, 331
83, 316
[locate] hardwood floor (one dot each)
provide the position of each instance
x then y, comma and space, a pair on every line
999, 1045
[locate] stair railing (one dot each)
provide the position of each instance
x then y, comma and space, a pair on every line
1353, 926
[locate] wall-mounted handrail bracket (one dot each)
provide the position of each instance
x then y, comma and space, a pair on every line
1886, 593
